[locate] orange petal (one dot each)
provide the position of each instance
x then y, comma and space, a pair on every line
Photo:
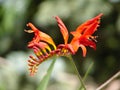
45, 37
63, 29
32, 26
91, 29
75, 44
84, 50
86, 24
40, 36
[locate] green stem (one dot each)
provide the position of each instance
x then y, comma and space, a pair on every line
76, 70
87, 72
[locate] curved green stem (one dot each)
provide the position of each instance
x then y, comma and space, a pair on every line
76, 70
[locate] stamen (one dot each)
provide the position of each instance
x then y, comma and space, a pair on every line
93, 38
29, 31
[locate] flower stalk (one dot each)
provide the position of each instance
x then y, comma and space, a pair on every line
82, 86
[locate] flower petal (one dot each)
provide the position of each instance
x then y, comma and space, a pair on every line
43, 45
84, 50
82, 28
40, 36
45, 37
33, 65
93, 27
63, 29
66, 47
84, 40
32, 27
75, 44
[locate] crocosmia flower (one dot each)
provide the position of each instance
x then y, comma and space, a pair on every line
39, 36
83, 35
40, 44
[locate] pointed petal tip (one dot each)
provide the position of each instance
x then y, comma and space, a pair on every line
84, 50
57, 18
99, 16
73, 33
29, 24
63, 29
93, 46
32, 26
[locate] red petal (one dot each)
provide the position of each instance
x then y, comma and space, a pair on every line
91, 29
85, 25
86, 42
63, 29
69, 46
43, 45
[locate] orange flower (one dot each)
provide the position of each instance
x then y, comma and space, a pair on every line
40, 46
83, 35
39, 36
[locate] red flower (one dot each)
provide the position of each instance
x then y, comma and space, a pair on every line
39, 36
82, 37
40, 46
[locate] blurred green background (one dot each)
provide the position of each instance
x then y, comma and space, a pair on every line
15, 14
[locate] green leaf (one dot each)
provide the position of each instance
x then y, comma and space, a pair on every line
44, 82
